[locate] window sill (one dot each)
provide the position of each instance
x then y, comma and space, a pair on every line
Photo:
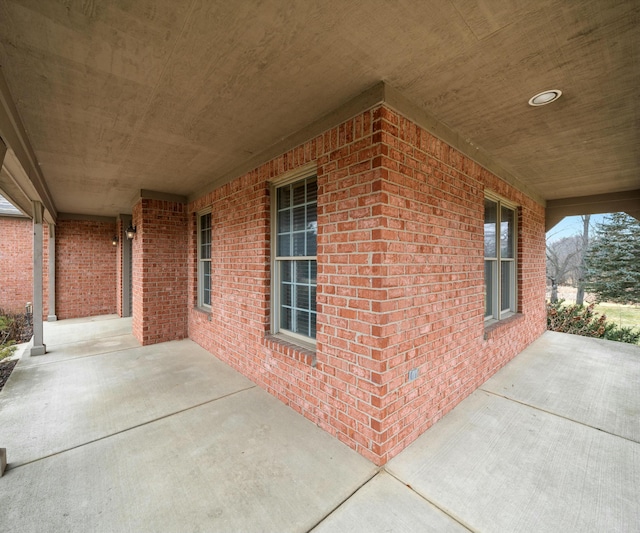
494, 328
203, 311
305, 353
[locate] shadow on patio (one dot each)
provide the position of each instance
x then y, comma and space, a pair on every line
105, 435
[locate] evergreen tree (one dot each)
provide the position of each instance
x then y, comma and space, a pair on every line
613, 260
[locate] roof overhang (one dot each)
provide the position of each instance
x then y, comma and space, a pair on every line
627, 202
21, 180
101, 101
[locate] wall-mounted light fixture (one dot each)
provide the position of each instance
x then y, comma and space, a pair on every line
131, 232
114, 240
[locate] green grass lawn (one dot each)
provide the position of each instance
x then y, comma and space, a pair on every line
622, 315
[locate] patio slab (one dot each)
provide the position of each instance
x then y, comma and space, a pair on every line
592, 381
245, 462
168, 438
497, 465
84, 329
62, 352
71, 402
385, 504
548, 444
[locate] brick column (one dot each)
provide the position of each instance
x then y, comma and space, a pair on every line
159, 269
51, 260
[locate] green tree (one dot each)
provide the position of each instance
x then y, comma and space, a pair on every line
613, 260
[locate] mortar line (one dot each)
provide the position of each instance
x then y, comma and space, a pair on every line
59, 452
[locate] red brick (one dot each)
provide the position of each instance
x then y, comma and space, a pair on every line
400, 284
160, 271
85, 267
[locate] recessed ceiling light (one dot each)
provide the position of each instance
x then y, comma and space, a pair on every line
545, 97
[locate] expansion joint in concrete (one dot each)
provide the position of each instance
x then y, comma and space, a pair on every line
344, 500
432, 502
557, 415
12, 467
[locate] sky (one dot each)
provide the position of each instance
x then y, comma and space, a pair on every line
569, 226
6, 208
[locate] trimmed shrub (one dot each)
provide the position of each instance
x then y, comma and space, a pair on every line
583, 320
14, 328
6, 345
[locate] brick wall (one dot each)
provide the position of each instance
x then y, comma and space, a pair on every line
159, 271
428, 305
85, 268
400, 282
16, 264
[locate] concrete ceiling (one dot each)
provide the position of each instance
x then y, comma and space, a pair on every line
171, 95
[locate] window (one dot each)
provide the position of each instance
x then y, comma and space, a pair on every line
499, 259
295, 268
204, 260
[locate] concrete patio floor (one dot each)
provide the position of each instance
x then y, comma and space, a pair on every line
105, 435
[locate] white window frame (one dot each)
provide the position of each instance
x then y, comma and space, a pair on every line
308, 171
201, 303
498, 313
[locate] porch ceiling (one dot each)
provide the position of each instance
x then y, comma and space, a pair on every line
172, 95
